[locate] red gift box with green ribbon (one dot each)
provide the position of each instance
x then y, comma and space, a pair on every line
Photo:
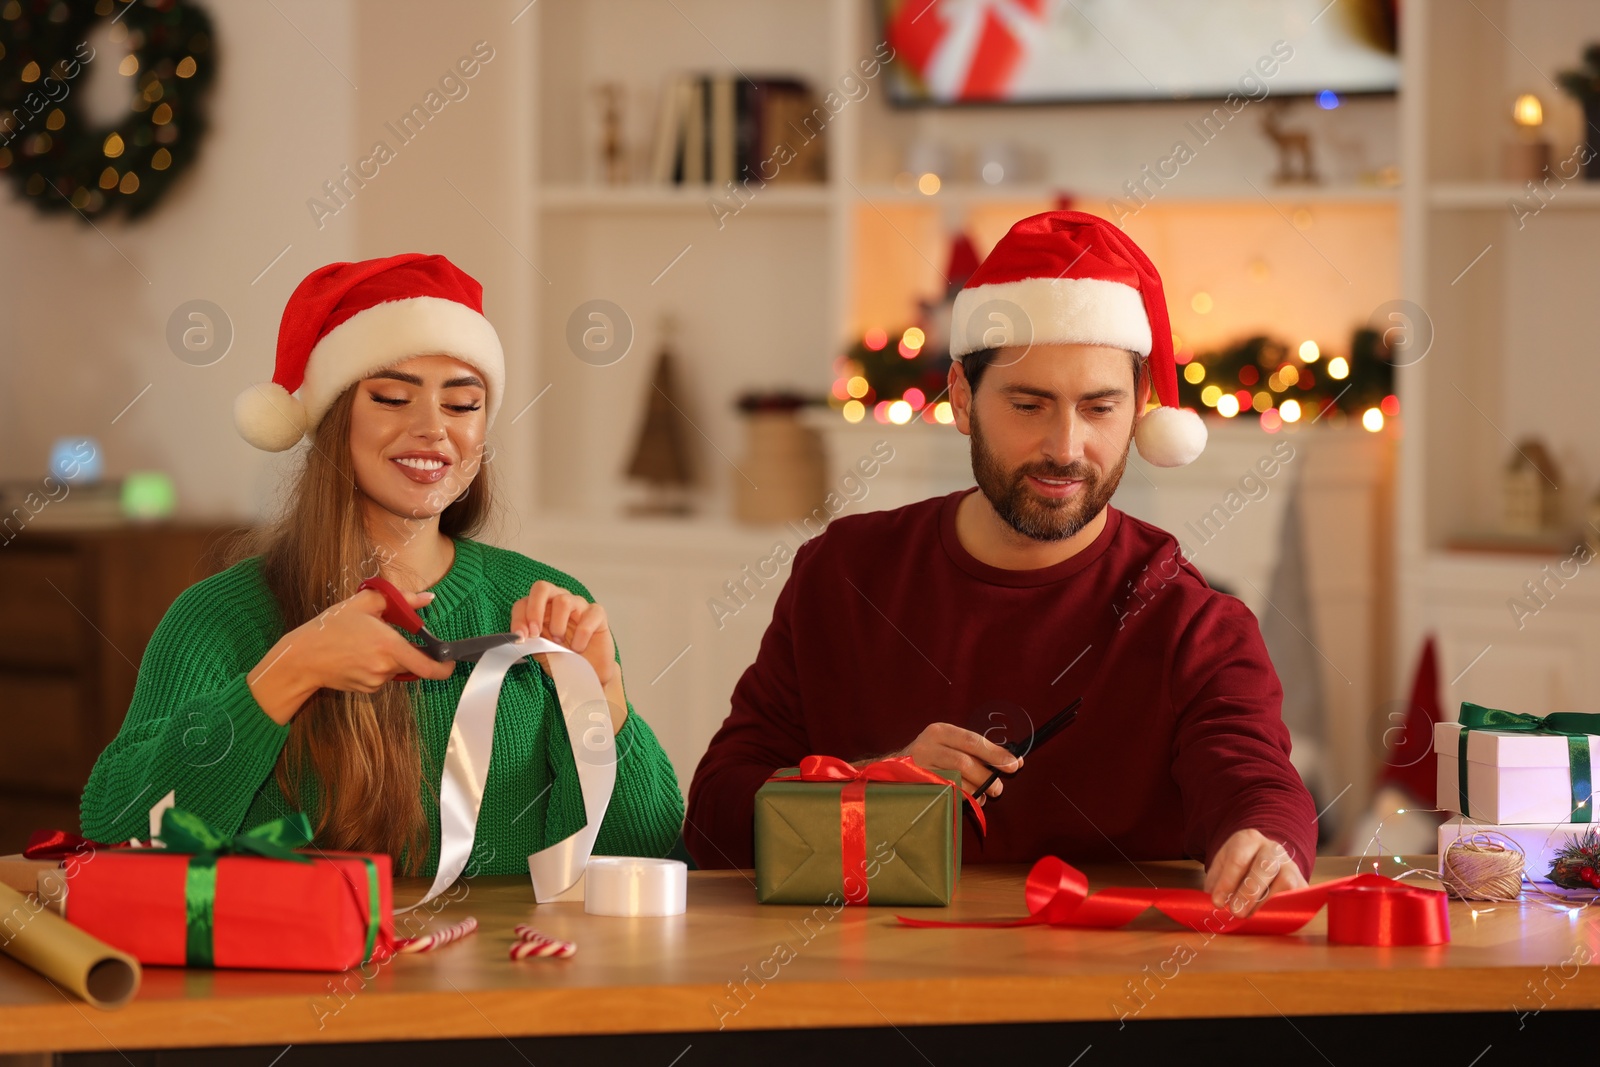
247, 901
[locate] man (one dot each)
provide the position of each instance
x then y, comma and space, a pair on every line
939, 629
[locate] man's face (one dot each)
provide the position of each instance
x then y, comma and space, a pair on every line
1050, 431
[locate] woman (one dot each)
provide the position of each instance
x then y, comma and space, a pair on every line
269, 688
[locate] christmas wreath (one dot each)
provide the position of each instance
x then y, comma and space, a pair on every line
57, 160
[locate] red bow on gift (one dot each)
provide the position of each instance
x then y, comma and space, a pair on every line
853, 804
61, 844
1363, 909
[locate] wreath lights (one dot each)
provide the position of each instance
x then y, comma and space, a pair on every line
54, 156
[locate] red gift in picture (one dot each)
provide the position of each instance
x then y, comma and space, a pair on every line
250, 901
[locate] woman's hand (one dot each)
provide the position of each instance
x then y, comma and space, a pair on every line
347, 647
551, 612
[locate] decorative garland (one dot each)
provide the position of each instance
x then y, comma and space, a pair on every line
1262, 372
47, 148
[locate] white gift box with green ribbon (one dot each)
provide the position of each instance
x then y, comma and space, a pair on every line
1515, 776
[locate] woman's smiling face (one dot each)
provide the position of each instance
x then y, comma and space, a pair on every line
416, 434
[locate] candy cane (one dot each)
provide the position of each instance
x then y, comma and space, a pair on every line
531, 942
428, 942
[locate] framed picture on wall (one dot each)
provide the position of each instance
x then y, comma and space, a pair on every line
954, 52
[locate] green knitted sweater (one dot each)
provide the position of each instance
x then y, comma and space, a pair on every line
195, 727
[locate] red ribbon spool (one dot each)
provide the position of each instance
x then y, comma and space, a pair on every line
1367, 913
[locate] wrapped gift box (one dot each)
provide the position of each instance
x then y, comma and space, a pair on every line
1512, 776
909, 848
1538, 842
267, 913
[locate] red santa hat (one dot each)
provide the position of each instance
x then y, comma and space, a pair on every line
346, 321
1074, 278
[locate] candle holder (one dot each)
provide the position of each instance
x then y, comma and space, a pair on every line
1527, 158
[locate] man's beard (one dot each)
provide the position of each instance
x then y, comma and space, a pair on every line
1037, 517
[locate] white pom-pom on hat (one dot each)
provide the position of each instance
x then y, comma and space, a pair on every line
269, 417
1170, 437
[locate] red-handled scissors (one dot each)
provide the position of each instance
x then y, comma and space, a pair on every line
396, 612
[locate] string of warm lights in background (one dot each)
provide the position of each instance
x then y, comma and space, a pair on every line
868, 382
893, 385
1255, 392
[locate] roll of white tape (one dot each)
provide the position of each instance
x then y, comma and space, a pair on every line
632, 885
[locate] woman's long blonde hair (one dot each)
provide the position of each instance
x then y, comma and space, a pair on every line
364, 750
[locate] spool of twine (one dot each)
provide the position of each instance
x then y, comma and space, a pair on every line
1480, 868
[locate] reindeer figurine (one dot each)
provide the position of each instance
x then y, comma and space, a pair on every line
1290, 144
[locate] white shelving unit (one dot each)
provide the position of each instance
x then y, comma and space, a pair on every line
973, 194
1500, 196
1513, 317
562, 198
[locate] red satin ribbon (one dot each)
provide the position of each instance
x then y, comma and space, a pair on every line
1363, 909
853, 805
59, 845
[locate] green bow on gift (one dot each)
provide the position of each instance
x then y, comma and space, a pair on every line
1576, 726
184, 831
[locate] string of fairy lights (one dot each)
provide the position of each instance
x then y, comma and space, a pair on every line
893, 385
1262, 377
1569, 899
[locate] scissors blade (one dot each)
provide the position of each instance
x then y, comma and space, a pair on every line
473, 648
1054, 725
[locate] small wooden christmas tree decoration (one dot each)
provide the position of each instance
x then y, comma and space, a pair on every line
661, 458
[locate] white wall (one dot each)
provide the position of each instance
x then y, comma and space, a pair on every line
462, 187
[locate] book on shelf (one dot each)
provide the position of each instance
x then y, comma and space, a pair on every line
718, 129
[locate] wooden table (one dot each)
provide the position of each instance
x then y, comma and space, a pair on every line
732, 964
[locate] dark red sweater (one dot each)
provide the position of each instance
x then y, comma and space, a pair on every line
887, 624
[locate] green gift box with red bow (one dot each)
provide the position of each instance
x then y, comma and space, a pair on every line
827, 832
252, 900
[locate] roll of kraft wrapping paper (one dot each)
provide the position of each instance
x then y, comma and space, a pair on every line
66, 955
557, 871
635, 886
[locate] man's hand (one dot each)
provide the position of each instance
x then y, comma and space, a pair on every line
947, 747
1247, 869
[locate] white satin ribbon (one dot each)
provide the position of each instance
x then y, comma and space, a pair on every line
466, 765
635, 885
